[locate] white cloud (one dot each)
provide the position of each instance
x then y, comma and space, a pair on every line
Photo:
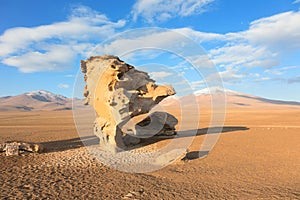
55, 46
294, 80
245, 55
265, 78
264, 45
143, 40
261, 46
281, 31
56, 58
70, 76
35, 49
289, 80
279, 71
162, 10
160, 75
195, 85
199, 36
230, 76
296, 1
63, 86
201, 61
152, 42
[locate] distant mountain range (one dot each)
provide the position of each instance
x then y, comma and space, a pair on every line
37, 100
233, 99
46, 101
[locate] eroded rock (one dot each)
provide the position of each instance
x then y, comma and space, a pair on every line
16, 148
163, 122
12, 149
2, 147
119, 92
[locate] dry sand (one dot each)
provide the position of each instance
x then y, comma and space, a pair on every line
257, 157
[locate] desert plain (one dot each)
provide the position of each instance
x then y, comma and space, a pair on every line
256, 157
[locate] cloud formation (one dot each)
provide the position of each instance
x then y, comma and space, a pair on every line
160, 75
263, 45
63, 86
280, 32
294, 80
162, 10
56, 46
279, 71
53, 47
296, 1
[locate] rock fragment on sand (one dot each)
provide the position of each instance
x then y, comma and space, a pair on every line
12, 149
31, 147
2, 147
136, 195
17, 148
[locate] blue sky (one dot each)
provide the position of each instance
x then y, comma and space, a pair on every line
253, 45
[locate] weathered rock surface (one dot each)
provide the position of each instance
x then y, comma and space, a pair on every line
16, 148
164, 122
119, 92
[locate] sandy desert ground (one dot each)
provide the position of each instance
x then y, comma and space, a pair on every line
256, 157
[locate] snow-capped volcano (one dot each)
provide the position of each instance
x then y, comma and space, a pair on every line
43, 95
42, 100
216, 90
37, 100
233, 98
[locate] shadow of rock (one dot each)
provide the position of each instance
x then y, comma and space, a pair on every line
63, 145
195, 155
192, 133
202, 154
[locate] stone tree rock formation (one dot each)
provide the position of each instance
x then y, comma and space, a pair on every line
118, 92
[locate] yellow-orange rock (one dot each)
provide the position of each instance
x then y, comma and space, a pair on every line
118, 92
